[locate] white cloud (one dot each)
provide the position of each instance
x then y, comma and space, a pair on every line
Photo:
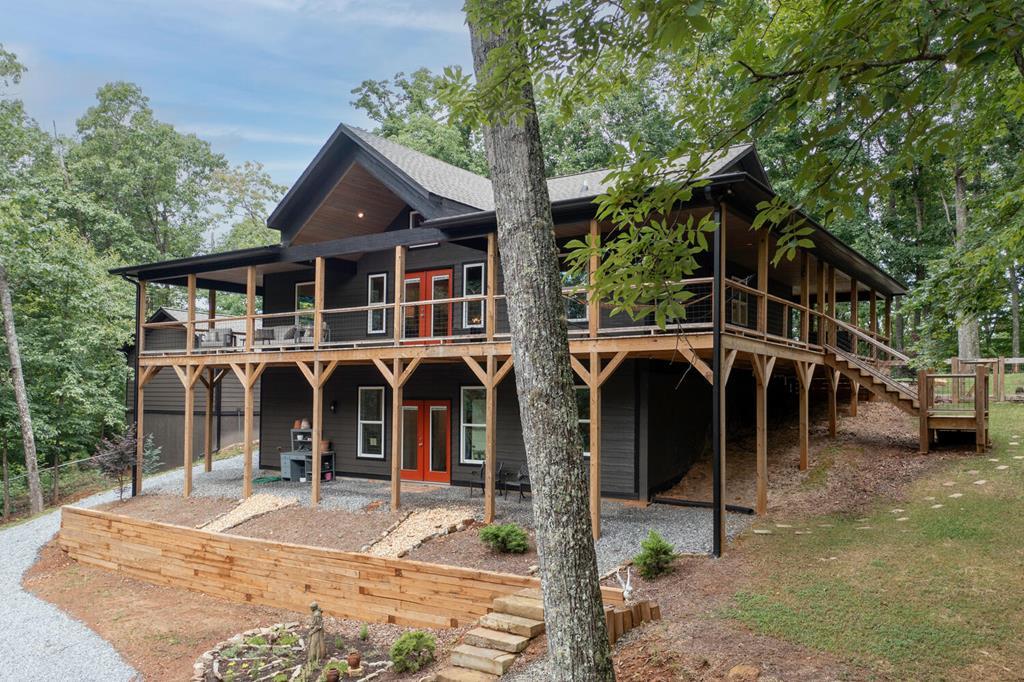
214, 131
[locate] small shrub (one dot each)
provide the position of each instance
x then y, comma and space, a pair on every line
339, 642
655, 557
412, 651
507, 538
364, 632
256, 640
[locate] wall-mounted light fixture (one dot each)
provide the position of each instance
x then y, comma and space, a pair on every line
360, 214
333, 406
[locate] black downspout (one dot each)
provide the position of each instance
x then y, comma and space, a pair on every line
716, 392
135, 380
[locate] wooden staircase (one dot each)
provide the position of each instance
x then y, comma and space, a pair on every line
879, 384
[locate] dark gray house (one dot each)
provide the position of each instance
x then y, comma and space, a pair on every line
380, 320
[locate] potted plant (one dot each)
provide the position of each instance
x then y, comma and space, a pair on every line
354, 659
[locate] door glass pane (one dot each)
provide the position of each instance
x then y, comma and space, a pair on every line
440, 312
412, 313
439, 439
410, 437
304, 302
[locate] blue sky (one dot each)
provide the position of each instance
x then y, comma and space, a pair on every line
261, 80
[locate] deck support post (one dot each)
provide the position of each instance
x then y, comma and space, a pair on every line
719, 378
250, 307
190, 324
492, 285
318, 301
490, 376
318, 426
763, 366
854, 322
924, 401
208, 421
396, 406
399, 295
140, 406
805, 296
595, 444
188, 375
980, 407
804, 374
247, 376
833, 387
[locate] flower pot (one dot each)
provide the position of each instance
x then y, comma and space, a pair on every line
297, 424
354, 659
325, 445
333, 675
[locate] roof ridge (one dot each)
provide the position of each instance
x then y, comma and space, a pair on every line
364, 131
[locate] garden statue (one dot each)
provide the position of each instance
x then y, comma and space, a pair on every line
317, 646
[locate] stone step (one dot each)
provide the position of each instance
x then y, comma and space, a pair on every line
517, 625
531, 592
464, 675
524, 607
496, 639
483, 659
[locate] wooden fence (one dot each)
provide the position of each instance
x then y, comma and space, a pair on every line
345, 584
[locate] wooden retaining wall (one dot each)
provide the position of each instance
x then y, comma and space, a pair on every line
345, 584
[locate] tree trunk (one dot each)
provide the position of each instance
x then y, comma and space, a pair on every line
7, 483
20, 395
968, 341
1014, 311
577, 638
919, 273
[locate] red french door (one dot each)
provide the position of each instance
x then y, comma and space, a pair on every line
427, 322
427, 441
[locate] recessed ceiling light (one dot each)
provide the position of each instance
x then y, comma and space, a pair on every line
360, 214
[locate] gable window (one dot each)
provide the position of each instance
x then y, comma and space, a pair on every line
376, 294
583, 407
473, 285
305, 300
574, 286
473, 425
371, 422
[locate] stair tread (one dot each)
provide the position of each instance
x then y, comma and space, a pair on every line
520, 606
507, 622
458, 674
496, 639
493, 661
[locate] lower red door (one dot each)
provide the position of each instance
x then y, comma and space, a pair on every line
426, 440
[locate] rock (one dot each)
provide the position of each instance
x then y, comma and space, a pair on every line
743, 673
533, 569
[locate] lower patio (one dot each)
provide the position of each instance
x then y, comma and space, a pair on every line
350, 506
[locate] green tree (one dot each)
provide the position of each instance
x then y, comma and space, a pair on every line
247, 195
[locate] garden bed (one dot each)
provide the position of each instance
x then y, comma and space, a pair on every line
464, 548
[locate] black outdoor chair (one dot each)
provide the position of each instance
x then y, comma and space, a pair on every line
521, 482
478, 480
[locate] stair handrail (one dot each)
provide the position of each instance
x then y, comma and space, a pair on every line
901, 388
868, 339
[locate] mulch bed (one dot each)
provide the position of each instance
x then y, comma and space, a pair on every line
181, 511
465, 548
332, 528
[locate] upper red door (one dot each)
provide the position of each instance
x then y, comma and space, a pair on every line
431, 323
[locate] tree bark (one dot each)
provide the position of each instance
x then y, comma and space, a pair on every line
20, 395
968, 341
577, 639
7, 482
919, 273
1014, 311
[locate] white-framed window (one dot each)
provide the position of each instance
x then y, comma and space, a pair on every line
371, 422
739, 307
472, 425
376, 294
583, 407
473, 285
576, 299
305, 300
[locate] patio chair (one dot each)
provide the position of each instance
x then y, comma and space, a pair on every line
217, 338
521, 482
478, 480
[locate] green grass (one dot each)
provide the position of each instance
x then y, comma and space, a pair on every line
915, 599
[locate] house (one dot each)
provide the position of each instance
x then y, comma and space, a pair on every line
164, 419
380, 319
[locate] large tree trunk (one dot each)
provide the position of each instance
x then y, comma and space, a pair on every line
919, 273
20, 395
968, 341
577, 639
1014, 311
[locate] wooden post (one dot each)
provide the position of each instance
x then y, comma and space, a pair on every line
247, 424
250, 306
833, 384
805, 296
593, 303
190, 399
980, 406
723, 376
492, 284
208, 423
190, 327
1000, 375
819, 300
763, 366
399, 295
804, 375
888, 321
490, 440
834, 333
595, 443
211, 311
396, 400
140, 408
855, 323
925, 404
318, 427
954, 384
318, 303
873, 322
762, 281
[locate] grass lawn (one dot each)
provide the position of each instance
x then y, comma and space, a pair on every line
931, 587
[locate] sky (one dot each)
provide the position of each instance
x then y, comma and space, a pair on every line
261, 80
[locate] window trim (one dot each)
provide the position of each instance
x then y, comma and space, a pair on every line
463, 425
298, 317
360, 421
584, 419
483, 289
369, 313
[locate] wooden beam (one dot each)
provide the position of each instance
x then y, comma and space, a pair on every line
762, 281
396, 425
593, 302
147, 373
479, 371
888, 321
311, 377
819, 300
240, 373
190, 325
490, 440
186, 455
140, 435
385, 370
211, 310
595, 445
250, 307
318, 432
980, 407
832, 304
492, 284
328, 371
726, 368
407, 372
697, 363
244, 375
399, 294
140, 317
318, 300
208, 425
613, 365
923, 434
804, 375
583, 373
763, 366
833, 381
855, 323
730, 359
503, 371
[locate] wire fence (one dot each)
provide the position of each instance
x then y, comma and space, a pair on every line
64, 483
